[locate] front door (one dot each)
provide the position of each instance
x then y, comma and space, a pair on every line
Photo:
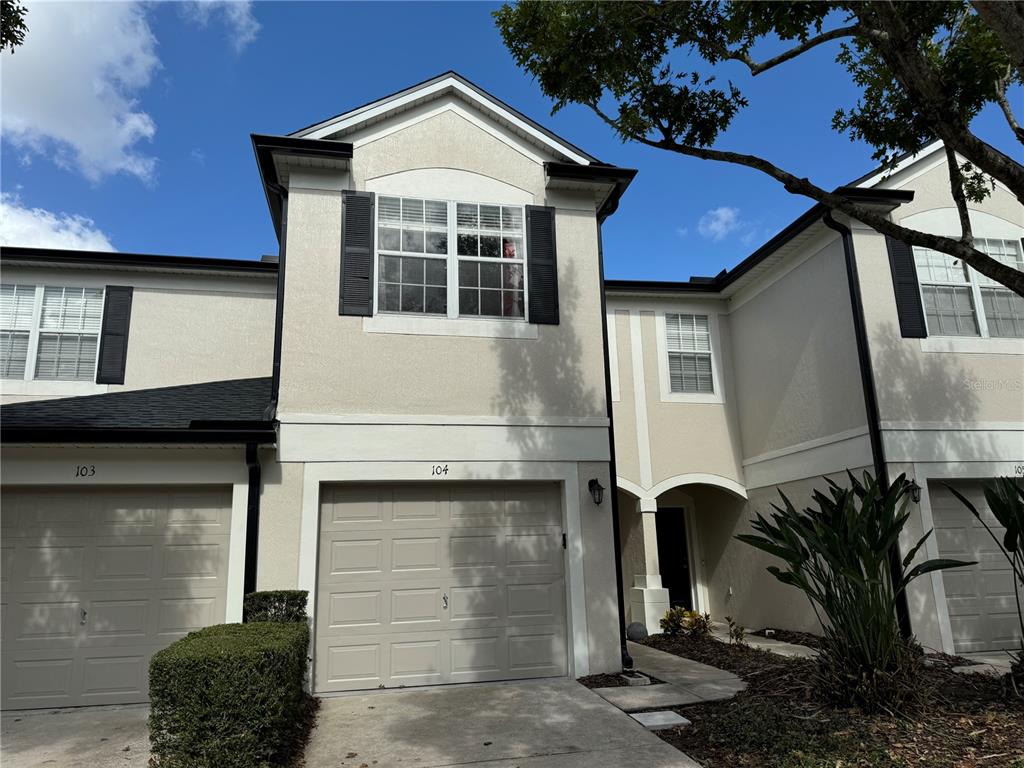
673, 556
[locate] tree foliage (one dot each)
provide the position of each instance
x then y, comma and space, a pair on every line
650, 70
12, 24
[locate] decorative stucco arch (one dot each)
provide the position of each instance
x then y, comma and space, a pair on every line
648, 497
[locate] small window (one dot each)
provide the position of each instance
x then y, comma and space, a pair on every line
490, 252
689, 353
49, 332
958, 301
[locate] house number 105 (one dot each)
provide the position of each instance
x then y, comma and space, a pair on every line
438, 469
85, 470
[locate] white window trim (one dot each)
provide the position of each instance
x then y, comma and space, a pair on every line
968, 344
664, 380
453, 324
28, 380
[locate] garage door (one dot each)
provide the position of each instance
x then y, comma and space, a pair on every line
982, 611
439, 584
94, 581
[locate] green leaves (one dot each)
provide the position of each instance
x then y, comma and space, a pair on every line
837, 553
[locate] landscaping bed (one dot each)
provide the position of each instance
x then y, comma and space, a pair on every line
610, 681
789, 636
779, 721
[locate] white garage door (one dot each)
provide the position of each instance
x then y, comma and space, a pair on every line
982, 611
94, 581
439, 584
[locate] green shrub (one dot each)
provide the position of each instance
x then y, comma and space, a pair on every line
837, 553
230, 696
737, 632
679, 621
276, 605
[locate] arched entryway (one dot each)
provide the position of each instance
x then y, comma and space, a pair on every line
670, 534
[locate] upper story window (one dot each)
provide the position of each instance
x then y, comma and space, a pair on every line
453, 259
49, 332
689, 353
959, 301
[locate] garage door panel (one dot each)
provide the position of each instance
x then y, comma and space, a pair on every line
98, 580
979, 598
428, 584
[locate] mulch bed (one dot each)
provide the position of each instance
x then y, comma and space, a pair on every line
779, 721
610, 681
789, 636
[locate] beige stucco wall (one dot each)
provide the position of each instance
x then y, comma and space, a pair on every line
280, 523
599, 572
926, 386
794, 356
330, 364
184, 329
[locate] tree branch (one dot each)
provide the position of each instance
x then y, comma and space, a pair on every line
982, 262
956, 186
1004, 104
757, 68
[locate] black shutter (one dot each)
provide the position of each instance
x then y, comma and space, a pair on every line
117, 315
908, 294
356, 294
542, 264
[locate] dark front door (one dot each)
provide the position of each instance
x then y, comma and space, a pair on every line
674, 557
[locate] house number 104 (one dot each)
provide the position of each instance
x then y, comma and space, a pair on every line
439, 469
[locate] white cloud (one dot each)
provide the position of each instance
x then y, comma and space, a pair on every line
237, 14
71, 91
38, 228
718, 223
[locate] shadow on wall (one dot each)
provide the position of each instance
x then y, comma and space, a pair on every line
95, 583
911, 386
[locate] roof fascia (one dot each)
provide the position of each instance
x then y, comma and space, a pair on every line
9, 255
617, 178
436, 86
258, 432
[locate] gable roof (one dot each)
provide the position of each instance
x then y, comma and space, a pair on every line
233, 411
448, 83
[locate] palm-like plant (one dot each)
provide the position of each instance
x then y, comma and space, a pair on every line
1005, 497
838, 554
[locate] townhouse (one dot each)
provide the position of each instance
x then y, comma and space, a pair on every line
408, 411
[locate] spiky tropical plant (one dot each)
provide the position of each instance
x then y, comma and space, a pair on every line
837, 553
1005, 498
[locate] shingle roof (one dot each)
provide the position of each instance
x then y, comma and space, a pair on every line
200, 411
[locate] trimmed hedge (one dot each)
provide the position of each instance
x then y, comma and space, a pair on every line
275, 605
230, 696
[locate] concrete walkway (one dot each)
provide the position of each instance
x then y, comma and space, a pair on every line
86, 737
553, 723
793, 650
686, 682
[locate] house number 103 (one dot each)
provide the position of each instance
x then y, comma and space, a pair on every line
85, 470
439, 469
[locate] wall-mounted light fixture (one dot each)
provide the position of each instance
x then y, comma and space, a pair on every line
596, 491
915, 492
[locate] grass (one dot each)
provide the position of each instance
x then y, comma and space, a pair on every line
779, 721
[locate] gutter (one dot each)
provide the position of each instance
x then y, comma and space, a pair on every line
261, 433
627, 660
867, 380
275, 379
11, 255
252, 524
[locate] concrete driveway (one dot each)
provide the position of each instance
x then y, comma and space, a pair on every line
531, 724
87, 737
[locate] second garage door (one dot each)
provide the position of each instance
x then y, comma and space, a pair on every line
443, 583
96, 580
982, 607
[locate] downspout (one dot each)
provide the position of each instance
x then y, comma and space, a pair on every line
627, 660
252, 523
867, 380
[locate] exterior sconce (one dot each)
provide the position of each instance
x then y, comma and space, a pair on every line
915, 492
596, 491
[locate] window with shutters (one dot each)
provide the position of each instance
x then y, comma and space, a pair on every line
49, 332
688, 340
958, 301
450, 259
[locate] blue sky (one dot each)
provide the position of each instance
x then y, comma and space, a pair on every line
163, 163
